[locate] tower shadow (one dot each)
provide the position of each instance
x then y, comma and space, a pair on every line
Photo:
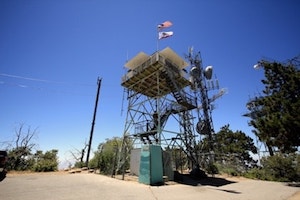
187, 179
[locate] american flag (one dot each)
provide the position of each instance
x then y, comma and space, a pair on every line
166, 24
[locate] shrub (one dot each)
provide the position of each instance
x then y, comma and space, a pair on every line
45, 162
212, 169
230, 169
280, 167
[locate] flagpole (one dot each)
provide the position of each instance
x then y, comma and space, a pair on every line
157, 39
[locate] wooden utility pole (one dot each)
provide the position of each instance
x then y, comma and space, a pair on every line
93, 123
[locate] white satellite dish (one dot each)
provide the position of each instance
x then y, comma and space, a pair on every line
208, 72
195, 72
257, 66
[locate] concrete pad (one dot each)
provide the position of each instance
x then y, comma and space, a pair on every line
78, 186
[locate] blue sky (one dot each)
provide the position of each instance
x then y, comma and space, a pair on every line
51, 53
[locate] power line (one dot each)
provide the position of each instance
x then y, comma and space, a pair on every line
45, 89
52, 86
44, 80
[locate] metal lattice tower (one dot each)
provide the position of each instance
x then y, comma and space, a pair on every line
166, 104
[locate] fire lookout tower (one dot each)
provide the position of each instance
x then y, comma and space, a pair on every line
168, 103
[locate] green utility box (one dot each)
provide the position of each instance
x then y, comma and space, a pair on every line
151, 167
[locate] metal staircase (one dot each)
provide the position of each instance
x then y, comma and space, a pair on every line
181, 97
151, 128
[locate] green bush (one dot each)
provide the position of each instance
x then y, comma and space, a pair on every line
79, 164
45, 166
257, 173
230, 169
212, 169
45, 162
280, 167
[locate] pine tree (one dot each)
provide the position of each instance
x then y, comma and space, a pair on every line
275, 114
232, 148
